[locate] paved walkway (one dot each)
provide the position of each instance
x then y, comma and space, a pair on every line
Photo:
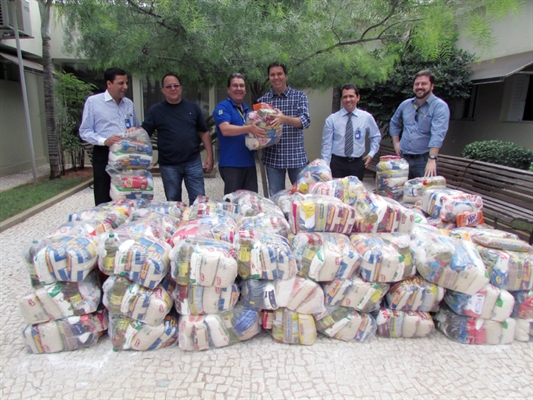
429, 368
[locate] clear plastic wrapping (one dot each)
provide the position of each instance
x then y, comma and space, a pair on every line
316, 171
346, 324
345, 189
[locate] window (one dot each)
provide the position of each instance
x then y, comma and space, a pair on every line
518, 99
464, 109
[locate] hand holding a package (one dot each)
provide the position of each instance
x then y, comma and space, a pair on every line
256, 131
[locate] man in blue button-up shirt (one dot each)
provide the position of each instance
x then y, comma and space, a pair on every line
423, 122
105, 115
342, 161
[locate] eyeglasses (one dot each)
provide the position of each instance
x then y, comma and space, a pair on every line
175, 86
238, 85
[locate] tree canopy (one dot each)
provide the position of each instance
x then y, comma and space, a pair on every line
323, 43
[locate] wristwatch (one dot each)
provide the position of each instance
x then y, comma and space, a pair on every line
433, 157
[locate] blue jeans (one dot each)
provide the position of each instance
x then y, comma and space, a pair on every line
276, 178
173, 176
417, 166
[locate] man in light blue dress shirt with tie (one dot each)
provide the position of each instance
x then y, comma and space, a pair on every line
105, 115
344, 134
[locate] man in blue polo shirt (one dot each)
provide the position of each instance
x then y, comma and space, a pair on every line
237, 163
423, 122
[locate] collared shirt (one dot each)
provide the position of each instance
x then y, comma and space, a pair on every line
103, 117
232, 149
422, 126
334, 132
289, 152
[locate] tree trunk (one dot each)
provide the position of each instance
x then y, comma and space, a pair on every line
336, 100
53, 145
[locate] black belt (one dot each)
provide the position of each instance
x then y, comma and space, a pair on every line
347, 159
414, 155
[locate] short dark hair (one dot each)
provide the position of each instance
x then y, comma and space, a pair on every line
235, 75
169, 74
277, 64
111, 73
349, 86
426, 72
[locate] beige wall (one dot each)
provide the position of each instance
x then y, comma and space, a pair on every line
513, 35
15, 153
31, 45
319, 109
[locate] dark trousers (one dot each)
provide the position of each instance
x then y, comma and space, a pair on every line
347, 166
102, 180
239, 178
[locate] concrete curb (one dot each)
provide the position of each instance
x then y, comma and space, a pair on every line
16, 219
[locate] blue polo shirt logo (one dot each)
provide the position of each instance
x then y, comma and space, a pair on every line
220, 112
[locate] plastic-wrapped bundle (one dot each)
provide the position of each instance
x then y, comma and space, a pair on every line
355, 293
144, 260
173, 208
316, 171
290, 327
301, 295
263, 115
203, 261
317, 213
28, 254
468, 233
346, 324
488, 303
149, 228
402, 243
199, 210
415, 294
510, 270
391, 174
168, 223
381, 214
284, 199
197, 300
217, 227
103, 219
133, 151
263, 255
274, 224
324, 257
65, 258
218, 330
469, 330
447, 204
381, 261
414, 189
259, 294
524, 330
131, 184
523, 306
61, 299
129, 334
451, 263
252, 204
122, 297
505, 244
403, 324
67, 334
75, 228
345, 189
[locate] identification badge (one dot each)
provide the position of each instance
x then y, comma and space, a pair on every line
358, 134
127, 122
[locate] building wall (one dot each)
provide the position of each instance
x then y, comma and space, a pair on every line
486, 124
15, 155
319, 109
32, 45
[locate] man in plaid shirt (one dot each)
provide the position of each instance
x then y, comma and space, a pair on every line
288, 155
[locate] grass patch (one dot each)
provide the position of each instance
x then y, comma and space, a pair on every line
24, 197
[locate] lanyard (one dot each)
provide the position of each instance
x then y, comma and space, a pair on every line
241, 114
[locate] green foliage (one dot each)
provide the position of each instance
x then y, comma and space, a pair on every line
21, 198
451, 82
323, 43
70, 95
500, 152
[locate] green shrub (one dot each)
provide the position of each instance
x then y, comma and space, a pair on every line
500, 152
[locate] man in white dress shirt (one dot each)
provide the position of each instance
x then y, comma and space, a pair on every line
343, 137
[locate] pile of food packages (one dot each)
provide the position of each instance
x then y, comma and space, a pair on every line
327, 257
129, 164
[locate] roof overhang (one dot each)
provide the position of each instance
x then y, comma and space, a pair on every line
497, 69
30, 65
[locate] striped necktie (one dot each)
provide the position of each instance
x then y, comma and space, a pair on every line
348, 136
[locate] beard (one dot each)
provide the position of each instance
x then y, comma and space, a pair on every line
424, 94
